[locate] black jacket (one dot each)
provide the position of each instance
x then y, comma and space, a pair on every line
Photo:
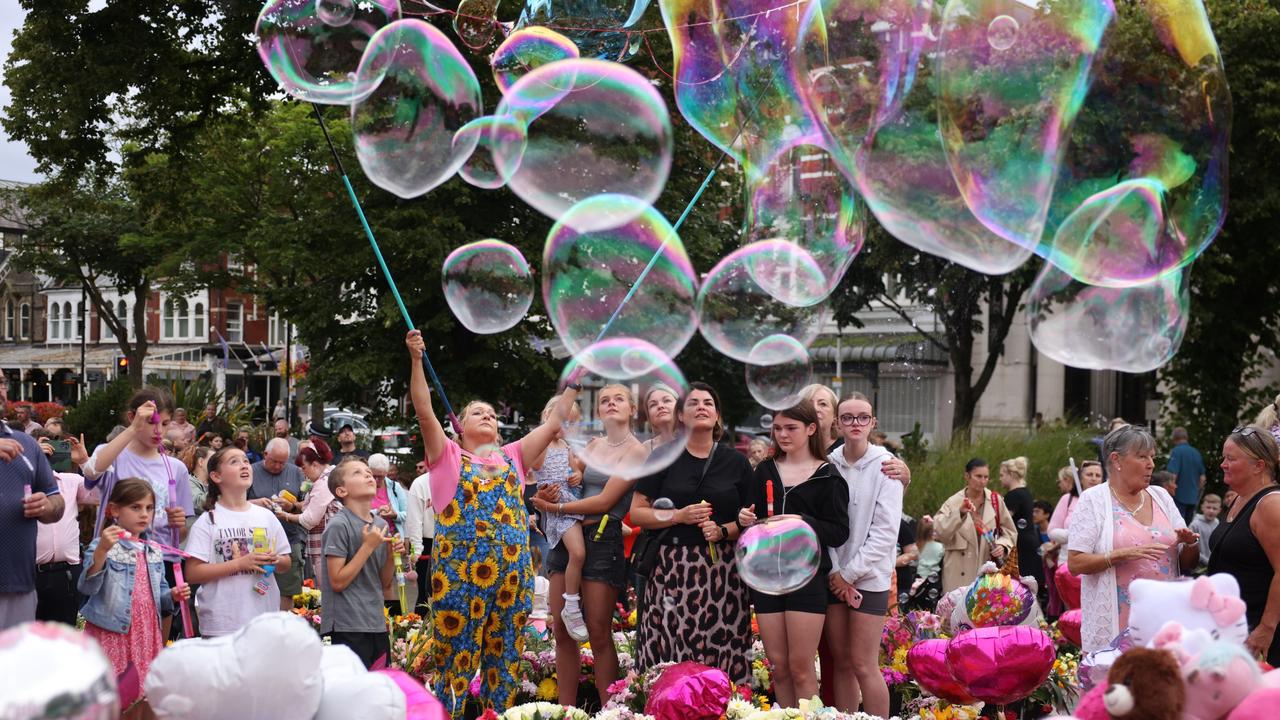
822, 501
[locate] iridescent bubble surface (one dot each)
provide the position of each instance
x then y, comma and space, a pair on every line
609, 133
484, 134
404, 132
778, 556
1143, 187
1135, 329
735, 313
586, 276
778, 370
803, 199
476, 22
599, 28
488, 285
615, 373
1012, 79
313, 47
528, 49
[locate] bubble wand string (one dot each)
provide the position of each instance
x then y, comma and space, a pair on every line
386, 271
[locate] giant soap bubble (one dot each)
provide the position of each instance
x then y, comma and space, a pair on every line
609, 436
313, 47
485, 134
1134, 329
488, 285
735, 313
476, 22
588, 277
404, 131
779, 555
1143, 187
528, 49
778, 371
1011, 81
608, 132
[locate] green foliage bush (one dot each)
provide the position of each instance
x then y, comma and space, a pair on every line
98, 412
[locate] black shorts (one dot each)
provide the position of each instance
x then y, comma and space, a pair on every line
873, 603
605, 561
814, 598
369, 647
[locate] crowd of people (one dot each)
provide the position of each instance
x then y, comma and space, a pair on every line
219, 532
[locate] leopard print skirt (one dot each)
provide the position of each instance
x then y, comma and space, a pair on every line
696, 610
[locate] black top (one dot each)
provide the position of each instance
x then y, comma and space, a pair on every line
1021, 504
725, 487
906, 536
1240, 555
822, 501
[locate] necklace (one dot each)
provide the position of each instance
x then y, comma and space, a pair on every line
620, 443
1142, 500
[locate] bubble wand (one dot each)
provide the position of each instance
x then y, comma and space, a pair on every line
183, 608
386, 271
1071, 462
400, 581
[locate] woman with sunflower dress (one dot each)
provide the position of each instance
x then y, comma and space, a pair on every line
482, 576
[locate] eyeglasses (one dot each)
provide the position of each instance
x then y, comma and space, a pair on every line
860, 420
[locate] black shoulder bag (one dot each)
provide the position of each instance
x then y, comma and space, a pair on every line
645, 553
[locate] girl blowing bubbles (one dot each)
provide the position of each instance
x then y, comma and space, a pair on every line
231, 543
125, 583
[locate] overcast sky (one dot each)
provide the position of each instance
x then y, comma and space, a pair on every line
15, 162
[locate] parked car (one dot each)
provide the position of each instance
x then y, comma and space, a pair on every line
395, 440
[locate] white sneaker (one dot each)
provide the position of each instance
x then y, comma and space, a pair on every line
574, 623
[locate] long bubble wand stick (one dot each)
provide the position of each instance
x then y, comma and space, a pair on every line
386, 271
183, 608
1071, 462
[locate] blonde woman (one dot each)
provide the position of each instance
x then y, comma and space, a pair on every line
1021, 503
824, 400
1269, 419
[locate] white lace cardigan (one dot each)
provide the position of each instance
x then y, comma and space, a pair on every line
1091, 531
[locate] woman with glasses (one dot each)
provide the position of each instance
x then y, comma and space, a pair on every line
1123, 530
1246, 544
862, 569
974, 526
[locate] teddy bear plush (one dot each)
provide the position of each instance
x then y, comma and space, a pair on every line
1142, 684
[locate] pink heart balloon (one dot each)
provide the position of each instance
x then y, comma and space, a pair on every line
1068, 586
1069, 625
420, 704
1003, 664
927, 663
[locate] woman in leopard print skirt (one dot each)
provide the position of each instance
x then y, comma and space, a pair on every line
694, 606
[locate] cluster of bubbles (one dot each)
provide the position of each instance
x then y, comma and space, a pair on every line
1090, 133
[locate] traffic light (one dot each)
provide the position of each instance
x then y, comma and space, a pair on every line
122, 366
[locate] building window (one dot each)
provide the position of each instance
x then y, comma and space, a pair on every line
235, 324
55, 317
184, 318
9, 320
121, 311
197, 322
66, 321
24, 321
168, 317
277, 330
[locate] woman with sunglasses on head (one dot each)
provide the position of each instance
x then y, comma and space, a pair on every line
1246, 544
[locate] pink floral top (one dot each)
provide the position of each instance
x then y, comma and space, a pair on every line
1131, 533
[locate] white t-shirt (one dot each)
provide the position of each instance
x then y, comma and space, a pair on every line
226, 604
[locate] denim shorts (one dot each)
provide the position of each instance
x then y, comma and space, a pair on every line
605, 561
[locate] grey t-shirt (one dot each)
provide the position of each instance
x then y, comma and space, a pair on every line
359, 607
593, 482
266, 485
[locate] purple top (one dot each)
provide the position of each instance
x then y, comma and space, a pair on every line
130, 465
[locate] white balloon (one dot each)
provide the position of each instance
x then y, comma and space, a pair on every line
351, 693
268, 668
52, 671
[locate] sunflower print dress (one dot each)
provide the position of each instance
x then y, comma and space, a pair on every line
481, 586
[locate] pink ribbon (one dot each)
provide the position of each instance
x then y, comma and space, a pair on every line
1226, 610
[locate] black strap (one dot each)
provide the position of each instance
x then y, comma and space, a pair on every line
1245, 513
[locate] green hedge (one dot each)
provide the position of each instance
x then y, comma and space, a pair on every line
942, 474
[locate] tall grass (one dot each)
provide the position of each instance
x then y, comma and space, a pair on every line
942, 474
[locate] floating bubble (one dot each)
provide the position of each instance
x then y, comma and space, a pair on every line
803, 199
313, 47
1002, 32
663, 509
608, 133
1143, 187
1010, 82
476, 22
778, 370
597, 28
404, 132
1136, 329
998, 599
737, 75
528, 49
902, 171
735, 313
588, 277
488, 286
608, 436
335, 13
484, 134
779, 555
